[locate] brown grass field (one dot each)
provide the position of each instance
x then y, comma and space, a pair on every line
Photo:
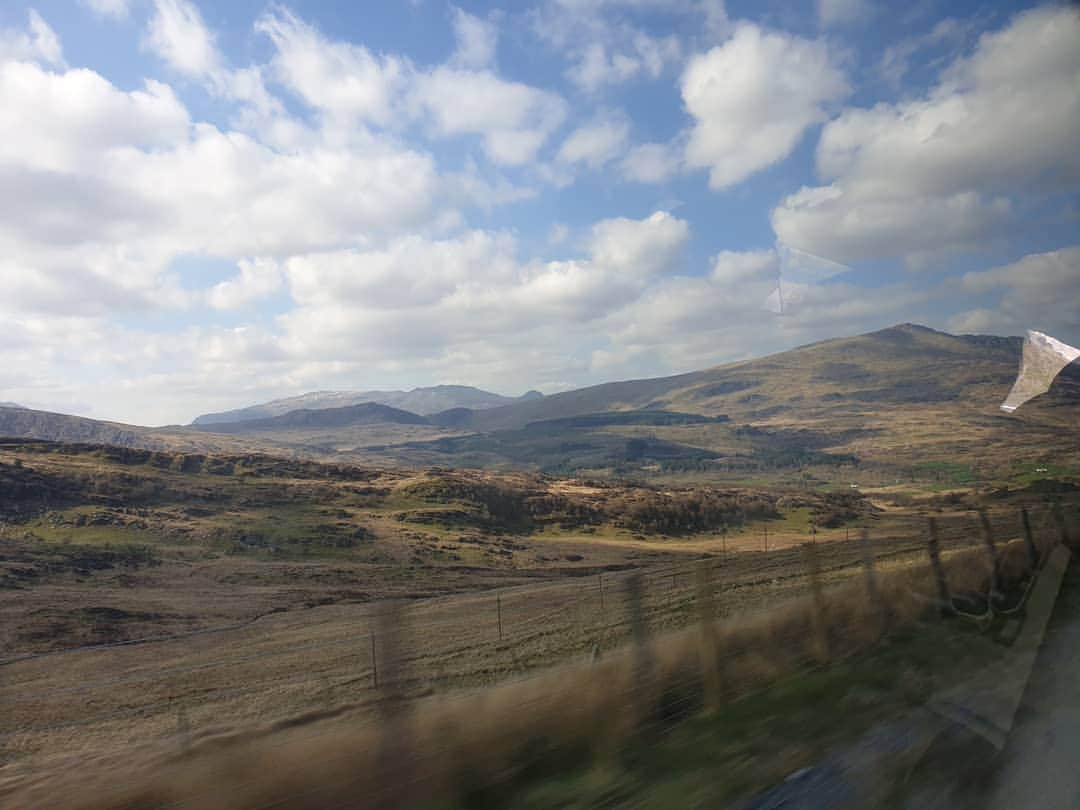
173, 634
288, 676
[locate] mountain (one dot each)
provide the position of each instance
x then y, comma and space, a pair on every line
901, 400
367, 413
899, 366
907, 395
423, 401
11, 405
23, 423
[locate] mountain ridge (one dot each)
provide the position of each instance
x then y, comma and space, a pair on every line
906, 392
423, 401
365, 413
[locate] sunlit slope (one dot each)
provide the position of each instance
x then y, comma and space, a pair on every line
904, 393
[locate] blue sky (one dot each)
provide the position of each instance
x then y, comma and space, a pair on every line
215, 203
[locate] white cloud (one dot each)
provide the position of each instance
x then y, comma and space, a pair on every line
1040, 291
420, 301
733, 267
652, 163
344, 81
69, 121
597, 143
752, 98
641, 247
258, 278
842, 12
109, 8
947, 172
606, 46
514, 119
599, 64
476, 40
38, 43
352, 86
178, 35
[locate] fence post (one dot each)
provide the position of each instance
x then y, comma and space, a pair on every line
991, 552
707, 645
498, 611
1029, 539
374, 664
872, 591
642, 698
394, 744
600, 580
390, 632
934, 549
821, 628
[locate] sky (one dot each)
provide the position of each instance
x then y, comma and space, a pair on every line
208, 205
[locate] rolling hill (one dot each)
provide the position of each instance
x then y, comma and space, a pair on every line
423, 401
902, 365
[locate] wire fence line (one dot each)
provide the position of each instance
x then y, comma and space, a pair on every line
540, 625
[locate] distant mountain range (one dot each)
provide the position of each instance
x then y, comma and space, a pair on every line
422, 401
366, 413
904, 396
10, 405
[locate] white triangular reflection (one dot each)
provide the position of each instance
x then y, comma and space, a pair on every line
1043, 359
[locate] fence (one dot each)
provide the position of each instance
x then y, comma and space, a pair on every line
778, 612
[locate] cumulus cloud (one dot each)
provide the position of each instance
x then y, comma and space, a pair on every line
38, 43
1040, 291
178, 35
753, 97
258, 278
732, 267
597, 142
652, 163
114, 185
605, 45
70, 120
422, 301
351, 85
514, 119
476, 40
599, 64
947, 171
342, 80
